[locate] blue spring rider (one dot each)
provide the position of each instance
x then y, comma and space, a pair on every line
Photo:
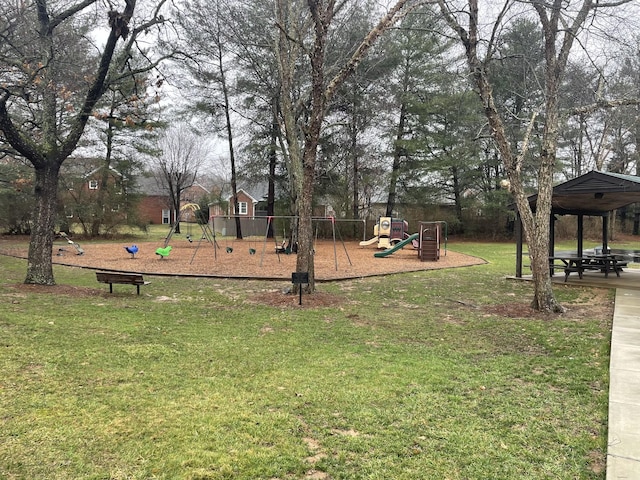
133, 249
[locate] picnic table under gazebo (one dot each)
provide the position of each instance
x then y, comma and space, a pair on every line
592, 194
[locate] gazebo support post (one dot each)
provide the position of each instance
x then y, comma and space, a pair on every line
518, 232
580, 234
605, 233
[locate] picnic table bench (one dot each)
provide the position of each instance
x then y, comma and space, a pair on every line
572, 263
121, 278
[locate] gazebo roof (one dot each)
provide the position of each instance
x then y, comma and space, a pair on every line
594, 193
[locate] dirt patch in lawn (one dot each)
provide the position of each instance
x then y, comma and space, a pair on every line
598, 304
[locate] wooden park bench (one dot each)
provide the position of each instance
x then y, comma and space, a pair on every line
121, 278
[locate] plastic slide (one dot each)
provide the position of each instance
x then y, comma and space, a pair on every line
397, 247
371, 241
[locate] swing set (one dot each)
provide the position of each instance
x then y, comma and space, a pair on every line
283, 244
207, 233
287, 247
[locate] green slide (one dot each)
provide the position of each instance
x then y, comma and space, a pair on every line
397, 247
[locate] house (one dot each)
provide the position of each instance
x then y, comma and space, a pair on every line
89, 190
252, 210
252, 201
155, 204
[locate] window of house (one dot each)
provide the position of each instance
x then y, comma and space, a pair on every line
93, 184
166, 216
242, 208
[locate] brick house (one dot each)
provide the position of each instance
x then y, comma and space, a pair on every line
83, 191
155, 205
246, 204
252, 201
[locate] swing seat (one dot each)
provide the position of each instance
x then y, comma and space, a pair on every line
283, 248
252, 251
229, 249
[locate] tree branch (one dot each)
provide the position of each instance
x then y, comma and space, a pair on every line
396, 13
603, 104
61, 17
119, 28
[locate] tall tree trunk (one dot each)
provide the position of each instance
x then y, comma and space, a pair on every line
398, 152
636, 141
355, 162
39, 266
232, 155
273, 162
457, 195
305, 260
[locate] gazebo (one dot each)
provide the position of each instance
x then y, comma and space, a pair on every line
594, 194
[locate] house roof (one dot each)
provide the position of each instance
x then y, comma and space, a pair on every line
594, 193
148, 185
97, 170
256, 191
85, 167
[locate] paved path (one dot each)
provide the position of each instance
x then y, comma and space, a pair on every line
623, 453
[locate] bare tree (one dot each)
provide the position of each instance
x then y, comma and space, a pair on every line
53, 75
561, 21
179, 163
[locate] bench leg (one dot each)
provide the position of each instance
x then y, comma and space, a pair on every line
111, 288
138, 289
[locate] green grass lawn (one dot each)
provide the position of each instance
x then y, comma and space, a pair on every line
409, 376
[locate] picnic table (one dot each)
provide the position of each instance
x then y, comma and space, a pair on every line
604, 262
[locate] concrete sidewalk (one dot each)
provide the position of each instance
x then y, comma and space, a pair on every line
623, 453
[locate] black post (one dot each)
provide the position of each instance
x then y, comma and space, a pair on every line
580, 233
298, 278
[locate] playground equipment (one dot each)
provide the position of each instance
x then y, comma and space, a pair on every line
79, 250
133, 249
388, 232
398, 246
287, 249
163, 252
207, 233
427, 241
194, 208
